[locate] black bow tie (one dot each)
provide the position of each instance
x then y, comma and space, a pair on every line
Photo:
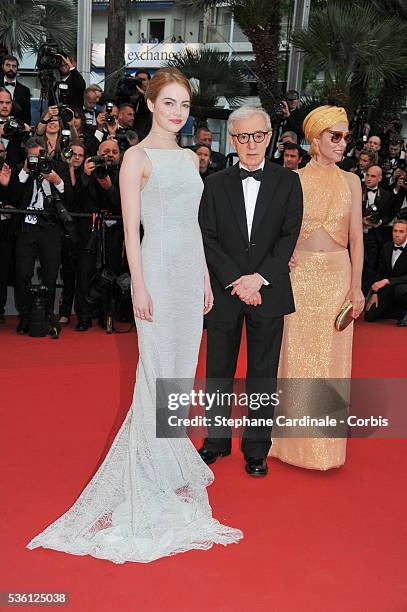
396, 248
256, 174
371, 190
9, 84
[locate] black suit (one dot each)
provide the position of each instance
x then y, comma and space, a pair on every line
43, 239
21, 101
373, 240
77, 85
392, 298
229, 255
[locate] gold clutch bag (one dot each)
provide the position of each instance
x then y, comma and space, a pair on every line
344, 317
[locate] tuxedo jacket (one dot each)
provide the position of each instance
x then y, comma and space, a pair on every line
396, 275
77, 85
383, 201
21, 101
275, 229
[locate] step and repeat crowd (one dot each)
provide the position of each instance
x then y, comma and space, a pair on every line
69, 163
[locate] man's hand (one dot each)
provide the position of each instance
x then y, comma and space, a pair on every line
106, 182
5, 174
53, 178
380, 284
286, 110
400, 183
366, 222
112, 127
88, 166
66, 60
374, 301
246, 286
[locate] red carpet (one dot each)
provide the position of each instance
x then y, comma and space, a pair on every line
317, 542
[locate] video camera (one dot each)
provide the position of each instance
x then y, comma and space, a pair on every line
49, 57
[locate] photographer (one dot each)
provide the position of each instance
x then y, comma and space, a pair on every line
292, 156
376, 211
91, 99
389, 291
55, 133
100, 193
131, 90
13, 132
70, 248
291, 116
367, 158
71, 77
392, 162
39, 185
20, 94
106, 126
203, 136
6, 233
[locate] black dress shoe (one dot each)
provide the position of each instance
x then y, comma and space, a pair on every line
22, 327
83, 325
256, 466
210, 456
403, 321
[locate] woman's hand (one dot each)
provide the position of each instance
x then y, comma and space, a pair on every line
357, 298
292, 264
208, 300
142, 304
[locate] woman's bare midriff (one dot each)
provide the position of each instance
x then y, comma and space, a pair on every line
319, 242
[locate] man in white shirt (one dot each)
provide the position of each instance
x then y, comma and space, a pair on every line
250, 217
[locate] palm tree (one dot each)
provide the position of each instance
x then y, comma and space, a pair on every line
214, 75
354, 48
260, 21
26, 24
115, 43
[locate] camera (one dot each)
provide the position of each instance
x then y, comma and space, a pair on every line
102, 167
48, 57
122, 141
110, 119
54, 205
372, 214
65, 113
66, 149
100, 283
126, 90
12, 127
39, 164
278, 110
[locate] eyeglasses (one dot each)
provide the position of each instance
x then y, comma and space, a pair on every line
244, 138
338, 136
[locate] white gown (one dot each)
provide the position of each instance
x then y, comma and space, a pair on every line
148, 499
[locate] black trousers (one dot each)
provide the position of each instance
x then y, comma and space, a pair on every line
6, 256
46, 243
372, 242
392, 304
264, 336
69, 268
87, 267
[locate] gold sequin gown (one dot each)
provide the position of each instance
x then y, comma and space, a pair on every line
312, 348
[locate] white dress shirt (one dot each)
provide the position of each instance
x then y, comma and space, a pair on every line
37, 199
396, 254
11, 90
250, 192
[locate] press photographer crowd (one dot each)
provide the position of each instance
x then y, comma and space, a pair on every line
65, 169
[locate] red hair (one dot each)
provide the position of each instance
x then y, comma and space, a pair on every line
163, 77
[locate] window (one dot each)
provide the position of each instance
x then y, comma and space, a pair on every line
156, 29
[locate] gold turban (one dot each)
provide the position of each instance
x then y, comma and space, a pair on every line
322, 118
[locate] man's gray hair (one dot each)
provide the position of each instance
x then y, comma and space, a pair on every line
245, 112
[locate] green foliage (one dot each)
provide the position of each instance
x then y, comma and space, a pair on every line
26, 24
353, 47
216, 74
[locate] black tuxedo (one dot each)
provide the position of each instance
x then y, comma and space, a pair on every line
77, 85
21, 101
43, 239
229, 255
392, 298
374, 239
